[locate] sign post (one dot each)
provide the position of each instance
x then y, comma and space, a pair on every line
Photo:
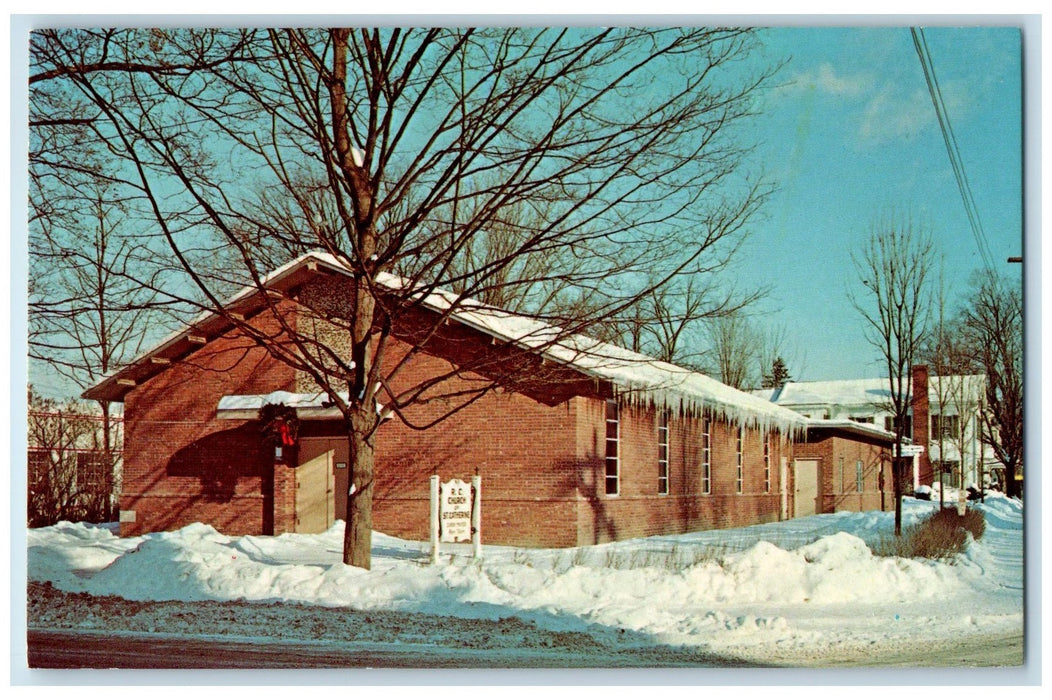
476, 515
456, 514
434, 518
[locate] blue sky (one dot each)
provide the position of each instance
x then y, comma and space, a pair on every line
850, 137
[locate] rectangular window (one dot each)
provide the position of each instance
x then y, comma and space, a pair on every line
890, 422
740, 480
39, 465
862, 419
613, 429
767, 464
840, 475
706, 457
662, 452
947, 426
92, 472
858, 476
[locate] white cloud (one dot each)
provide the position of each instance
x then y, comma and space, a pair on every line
890, 115
828, 81
824, 79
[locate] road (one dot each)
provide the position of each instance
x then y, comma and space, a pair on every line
67, 649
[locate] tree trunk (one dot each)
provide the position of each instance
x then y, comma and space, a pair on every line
1011, 485
358, 528
896, 478
896, 473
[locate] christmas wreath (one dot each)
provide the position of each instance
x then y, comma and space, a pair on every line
279, 422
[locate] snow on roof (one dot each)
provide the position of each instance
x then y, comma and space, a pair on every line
841, 392
246, 406
850, 426
872, 393
640, 379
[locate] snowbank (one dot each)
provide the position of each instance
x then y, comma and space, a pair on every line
810, 581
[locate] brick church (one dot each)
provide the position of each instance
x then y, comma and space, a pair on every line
621, 446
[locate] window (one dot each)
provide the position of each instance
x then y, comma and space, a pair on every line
767, 464
613, 429
39, 463
947, 426
840, 475
948, 466
92, 472
862, 419
740, 480
706, 457
858, 476
890, 422
662, 452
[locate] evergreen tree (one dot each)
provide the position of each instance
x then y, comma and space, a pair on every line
778, 376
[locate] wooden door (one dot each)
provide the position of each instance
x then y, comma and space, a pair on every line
805, 487
315, 484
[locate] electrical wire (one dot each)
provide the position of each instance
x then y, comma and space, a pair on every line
952, 148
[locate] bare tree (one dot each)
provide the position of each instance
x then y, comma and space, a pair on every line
993, 322
90, 308
672, 322
453, 157
944, 351
735, 349
70, 471
894, 268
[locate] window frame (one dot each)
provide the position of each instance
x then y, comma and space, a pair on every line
706, 456
615, 458
663, 452
767, 463
38, 468
93, 472
740, 480
939, 424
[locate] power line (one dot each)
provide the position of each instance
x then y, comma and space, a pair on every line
952, 149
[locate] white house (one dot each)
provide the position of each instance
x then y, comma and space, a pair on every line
946, 426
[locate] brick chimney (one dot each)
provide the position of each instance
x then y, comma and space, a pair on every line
922, 423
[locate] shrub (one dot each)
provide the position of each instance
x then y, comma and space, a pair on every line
943, 535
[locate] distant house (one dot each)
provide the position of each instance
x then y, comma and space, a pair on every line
71, 475
943, 421
843, 465
621, 446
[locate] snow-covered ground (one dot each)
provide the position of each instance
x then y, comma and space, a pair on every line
808, 587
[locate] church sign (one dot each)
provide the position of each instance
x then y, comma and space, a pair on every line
455, 511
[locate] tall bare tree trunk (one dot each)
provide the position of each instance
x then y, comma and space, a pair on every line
357, 535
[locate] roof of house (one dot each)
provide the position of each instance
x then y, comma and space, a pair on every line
849, 426
843, 392
639, 378
869, 393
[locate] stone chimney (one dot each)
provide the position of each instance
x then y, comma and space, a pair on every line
922, 423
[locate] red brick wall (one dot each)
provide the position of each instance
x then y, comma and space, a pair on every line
181, 464
640, 511
522, 449
838, 488
541, 465
921, 427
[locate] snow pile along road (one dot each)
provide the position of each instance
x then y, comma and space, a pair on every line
765, 593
